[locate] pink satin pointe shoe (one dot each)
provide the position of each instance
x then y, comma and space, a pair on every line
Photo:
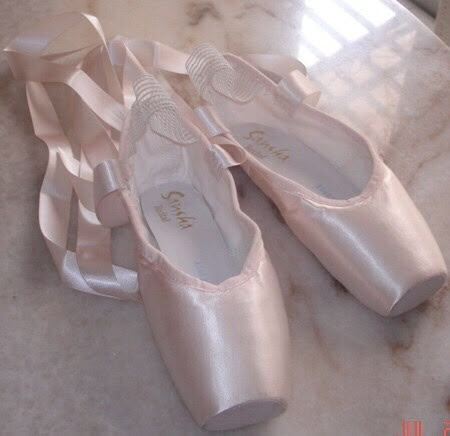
331, 187
210, 291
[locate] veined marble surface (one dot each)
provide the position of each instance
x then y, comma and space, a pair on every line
74, 364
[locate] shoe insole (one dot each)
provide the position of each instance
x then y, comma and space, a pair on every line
287, 155
186, 231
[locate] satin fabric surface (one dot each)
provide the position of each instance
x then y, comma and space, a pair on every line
379, 247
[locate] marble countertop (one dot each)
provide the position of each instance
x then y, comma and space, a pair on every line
74, 364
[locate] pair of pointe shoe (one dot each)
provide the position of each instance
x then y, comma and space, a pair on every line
211, 293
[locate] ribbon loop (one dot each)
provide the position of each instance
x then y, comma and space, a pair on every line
228, 153
109, 206
297, 88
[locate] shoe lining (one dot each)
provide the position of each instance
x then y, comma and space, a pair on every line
304, 145
289, 156
189, 209
186, 199
186, 231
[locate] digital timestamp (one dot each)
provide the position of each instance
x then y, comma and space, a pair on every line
415, 428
